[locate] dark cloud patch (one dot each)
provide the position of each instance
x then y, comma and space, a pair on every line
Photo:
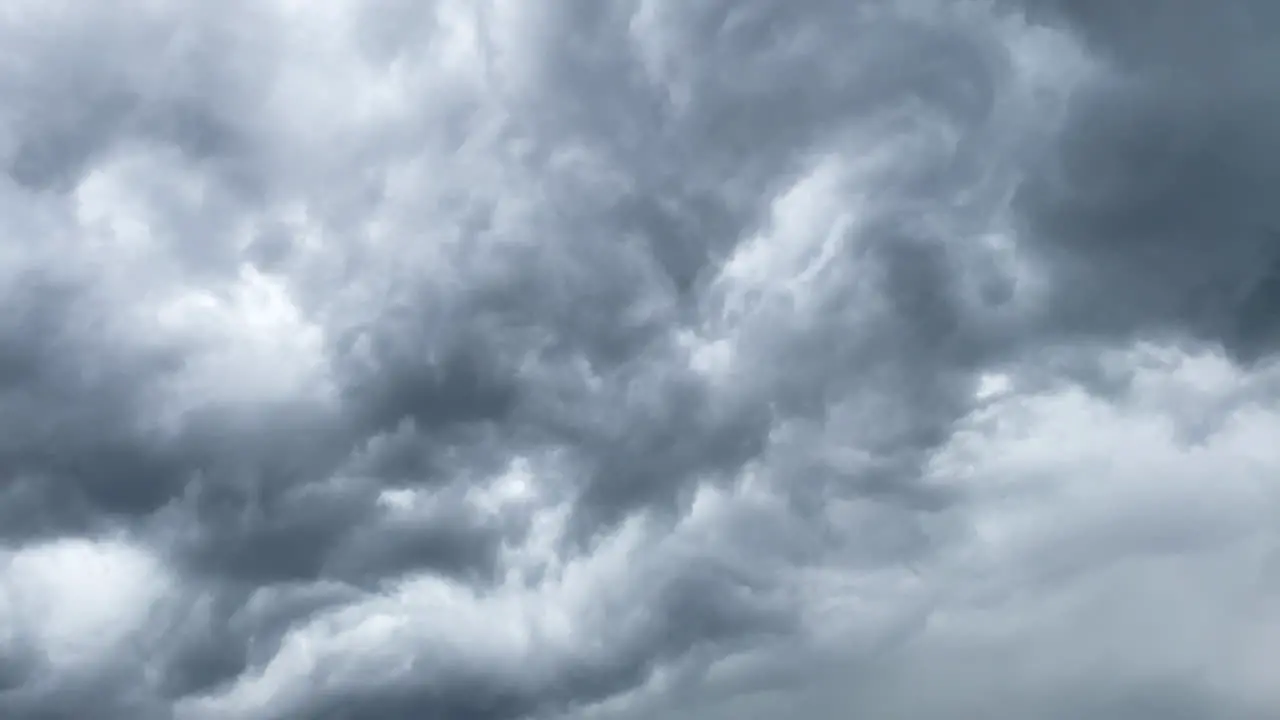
70, 405
54, 156
405, 384
453, 543
1256, 325
228, 631
110, 693
271, 247
653, 441
260, 535
1154, 213
197, 130
83, 87
686, 235
17, 667
206, 650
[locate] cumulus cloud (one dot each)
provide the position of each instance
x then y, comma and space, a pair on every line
639, 359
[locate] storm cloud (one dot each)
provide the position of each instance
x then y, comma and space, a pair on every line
639, 359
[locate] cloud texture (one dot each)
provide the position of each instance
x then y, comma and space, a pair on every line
639, 359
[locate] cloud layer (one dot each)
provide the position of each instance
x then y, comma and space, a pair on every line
581, 360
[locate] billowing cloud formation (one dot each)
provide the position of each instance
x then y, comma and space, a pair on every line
574, 359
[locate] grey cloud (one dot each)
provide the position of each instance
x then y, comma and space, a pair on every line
67, 409
1153, 208
707, 603
224, 633
452, 540
641, 327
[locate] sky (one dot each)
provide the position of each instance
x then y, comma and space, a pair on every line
641, 359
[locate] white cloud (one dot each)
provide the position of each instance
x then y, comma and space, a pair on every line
1098, 550
79, 601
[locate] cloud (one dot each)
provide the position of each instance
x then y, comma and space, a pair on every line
71, 606
1169, 151
506, 360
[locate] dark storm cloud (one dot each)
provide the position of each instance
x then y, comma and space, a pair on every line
618, 349
70, 449
1154, 209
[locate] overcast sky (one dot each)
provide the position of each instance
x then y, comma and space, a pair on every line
646, 359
